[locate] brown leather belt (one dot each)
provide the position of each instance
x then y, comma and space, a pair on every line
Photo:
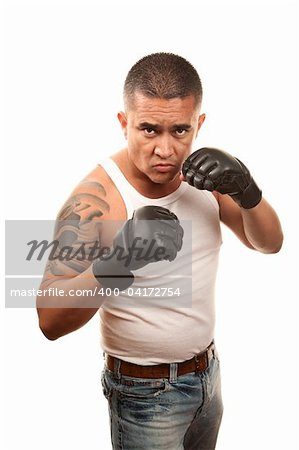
198, 363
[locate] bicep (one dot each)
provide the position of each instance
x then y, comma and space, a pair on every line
77, 236
74, 246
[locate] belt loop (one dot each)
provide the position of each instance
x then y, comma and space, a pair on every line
117, 363
173, 373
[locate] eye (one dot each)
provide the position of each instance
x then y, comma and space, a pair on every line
149, 131
181, 131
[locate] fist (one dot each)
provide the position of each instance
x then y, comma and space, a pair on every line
153, 234
216, 170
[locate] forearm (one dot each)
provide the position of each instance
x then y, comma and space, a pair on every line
262, 227
62, 314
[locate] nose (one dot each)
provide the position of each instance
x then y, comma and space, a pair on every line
164, 147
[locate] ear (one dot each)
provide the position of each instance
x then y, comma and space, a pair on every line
122, 118
201, 120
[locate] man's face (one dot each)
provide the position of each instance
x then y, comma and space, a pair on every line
160, 134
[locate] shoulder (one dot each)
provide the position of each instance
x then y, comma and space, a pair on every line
94, 197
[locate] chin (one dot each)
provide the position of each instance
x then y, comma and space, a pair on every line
164, 178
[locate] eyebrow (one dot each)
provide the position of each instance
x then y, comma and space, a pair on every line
186, 126
148, 125
156, 126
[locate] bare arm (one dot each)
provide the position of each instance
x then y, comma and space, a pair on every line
79, 222
67, 313
258, 228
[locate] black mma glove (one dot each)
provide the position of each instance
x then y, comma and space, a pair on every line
153, 234
216, 170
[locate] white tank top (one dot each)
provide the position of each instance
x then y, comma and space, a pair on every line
143, 326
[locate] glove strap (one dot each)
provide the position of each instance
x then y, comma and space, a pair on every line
250, 197
112, 277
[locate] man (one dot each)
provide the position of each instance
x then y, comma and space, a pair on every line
161, 375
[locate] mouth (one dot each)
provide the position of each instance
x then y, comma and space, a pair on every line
164, 167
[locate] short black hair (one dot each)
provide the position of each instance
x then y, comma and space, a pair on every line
162, 75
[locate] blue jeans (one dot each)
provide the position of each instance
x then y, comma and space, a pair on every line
149, 414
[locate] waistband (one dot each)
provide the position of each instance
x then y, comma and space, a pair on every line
198, 363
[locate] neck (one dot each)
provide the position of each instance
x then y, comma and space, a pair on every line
144, 185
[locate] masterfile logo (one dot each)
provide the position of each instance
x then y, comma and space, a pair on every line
65, 249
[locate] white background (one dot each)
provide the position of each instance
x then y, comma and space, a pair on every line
63, 66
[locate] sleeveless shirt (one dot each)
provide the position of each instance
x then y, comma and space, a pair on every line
168, 314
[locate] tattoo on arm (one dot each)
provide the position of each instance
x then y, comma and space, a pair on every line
78, 231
